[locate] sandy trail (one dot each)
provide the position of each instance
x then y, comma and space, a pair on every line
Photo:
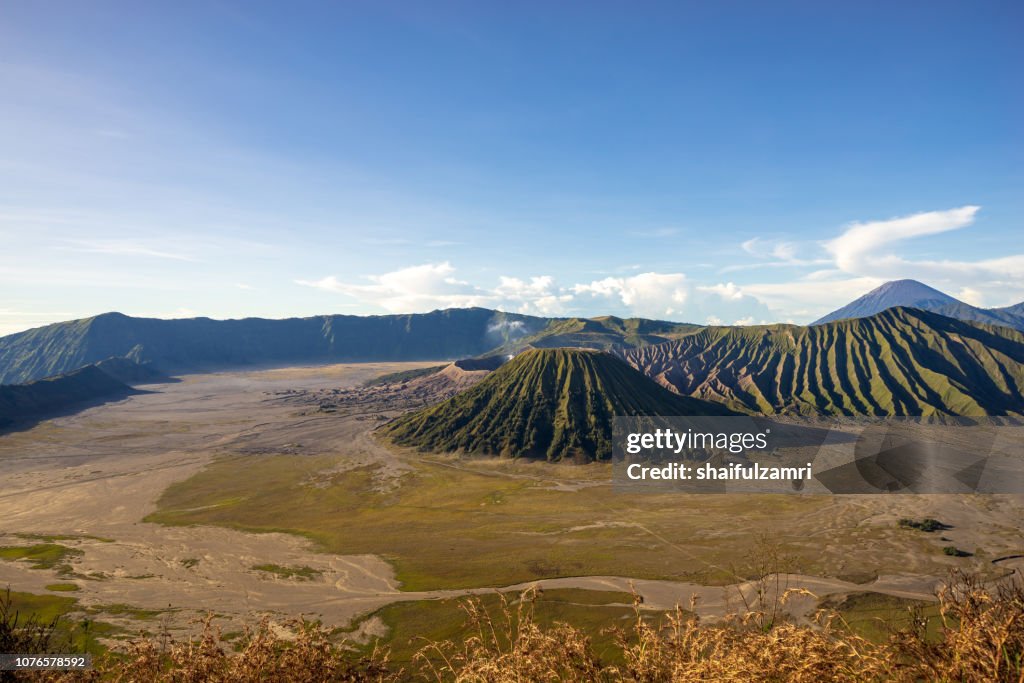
99, 473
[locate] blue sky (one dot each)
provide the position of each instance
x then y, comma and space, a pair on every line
723, 162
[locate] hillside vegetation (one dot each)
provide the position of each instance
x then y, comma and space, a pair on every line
605, 333
980, 638
899, 362
545, 403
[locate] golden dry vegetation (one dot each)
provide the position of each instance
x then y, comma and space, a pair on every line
981, 639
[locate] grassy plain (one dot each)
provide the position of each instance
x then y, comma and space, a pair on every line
874, 615
42, 556
75, 631
217, 455
464, 524
414, 623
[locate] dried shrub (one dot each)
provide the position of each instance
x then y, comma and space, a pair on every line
982, 639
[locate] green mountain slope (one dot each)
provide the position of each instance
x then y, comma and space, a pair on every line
899, 362
605, 333
547, 403
36, 399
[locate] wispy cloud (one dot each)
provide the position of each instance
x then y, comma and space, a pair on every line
864, 255
775, 254
125, 248
857, 249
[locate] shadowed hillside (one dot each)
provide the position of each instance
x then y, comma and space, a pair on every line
198, 344
81, 387
899, 362
201, 343
132, 373
546, 403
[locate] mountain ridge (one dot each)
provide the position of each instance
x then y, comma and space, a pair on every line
198, 344
913, 294
901, 361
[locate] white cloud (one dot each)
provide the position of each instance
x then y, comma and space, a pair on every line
538, 295
774, 254
855, 251
766, 249
416, 288
862, 257
434, 285
726, 291
645, 294
971, 296
810, 298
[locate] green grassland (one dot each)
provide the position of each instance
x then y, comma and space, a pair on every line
75, 631
42, 556
599, 613
63, 587
874, 615
462, 524
605, 333
412, 624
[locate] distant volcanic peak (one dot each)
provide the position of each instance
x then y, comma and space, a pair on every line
913, 294
909, 290
555, 404
894, 293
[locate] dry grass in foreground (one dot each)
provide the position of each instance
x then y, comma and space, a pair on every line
982, 639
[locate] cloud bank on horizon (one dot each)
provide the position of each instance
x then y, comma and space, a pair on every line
839, 269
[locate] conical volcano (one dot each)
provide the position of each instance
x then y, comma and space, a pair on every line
554, 404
